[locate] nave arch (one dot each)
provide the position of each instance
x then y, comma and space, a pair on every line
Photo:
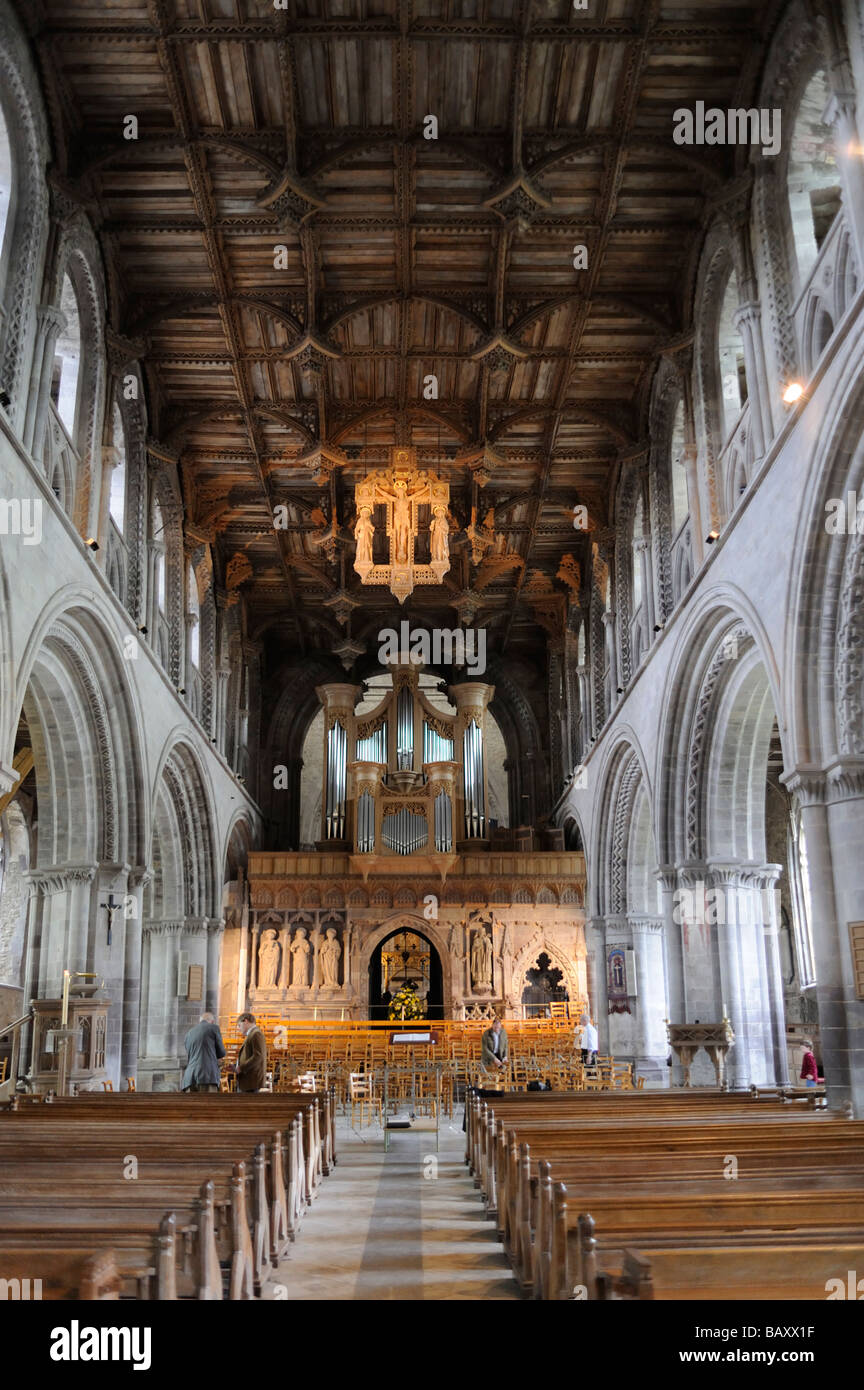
623, 895
86, 809
182, 923
721, 891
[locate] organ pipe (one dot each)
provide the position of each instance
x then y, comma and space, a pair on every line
405, 730
365, 823
443, 823
472, 771
373, 749
404, 832
337, 772
435, 748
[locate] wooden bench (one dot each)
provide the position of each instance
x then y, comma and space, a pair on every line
188, 1157
711, 1270
89, 1275
650, 1172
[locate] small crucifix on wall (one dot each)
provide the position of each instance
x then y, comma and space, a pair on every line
110, 908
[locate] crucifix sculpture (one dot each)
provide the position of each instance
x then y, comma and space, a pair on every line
402, 489
110, 908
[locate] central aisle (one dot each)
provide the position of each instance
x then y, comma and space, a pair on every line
384, 1230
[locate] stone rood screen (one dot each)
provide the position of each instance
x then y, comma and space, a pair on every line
405, 778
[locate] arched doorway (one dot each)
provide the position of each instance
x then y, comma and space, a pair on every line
405, 955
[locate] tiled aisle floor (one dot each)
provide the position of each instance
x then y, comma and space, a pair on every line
380, 1229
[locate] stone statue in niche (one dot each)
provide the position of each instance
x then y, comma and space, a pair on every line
268, 960
330, 955
300, 950
364, 532
440, 534
481, 963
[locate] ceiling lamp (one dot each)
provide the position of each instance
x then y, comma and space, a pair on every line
794, 391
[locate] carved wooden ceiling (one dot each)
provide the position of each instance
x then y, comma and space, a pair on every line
405, 257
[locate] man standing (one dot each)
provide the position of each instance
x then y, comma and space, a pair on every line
204, 1050
494, 1048
588, 1042
251, 1066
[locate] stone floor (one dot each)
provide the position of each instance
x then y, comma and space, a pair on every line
407, 1224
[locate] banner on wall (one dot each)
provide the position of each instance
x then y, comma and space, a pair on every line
616, 981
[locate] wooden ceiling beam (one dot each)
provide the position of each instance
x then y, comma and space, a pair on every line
202, 195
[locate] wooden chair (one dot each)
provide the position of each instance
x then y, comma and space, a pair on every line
130, 1083
363, 1097
107, 1085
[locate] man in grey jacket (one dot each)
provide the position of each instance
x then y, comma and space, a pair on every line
204, 1048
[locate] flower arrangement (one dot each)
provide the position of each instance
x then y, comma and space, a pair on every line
405, 1004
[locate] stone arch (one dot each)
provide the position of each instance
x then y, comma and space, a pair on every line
183, 821
718, 262
525, 957
166, 491
79, 257
630, 493
722, 628
623, 774
667, 393
824, 671
28, 223
406, 921
88, 740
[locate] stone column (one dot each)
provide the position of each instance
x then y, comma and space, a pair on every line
220, 707
642, 557
748, 320
841, 113
747, 997
110, 460
674, 956
652, 1007
133, 965
161, 1029
765, 881
62, 937
608, 621
50, 323
690, 459
215, 935
832, 817
595, 938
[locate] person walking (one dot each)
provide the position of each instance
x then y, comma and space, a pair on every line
588, 1042
809, 1070
251, 1065
204, 1051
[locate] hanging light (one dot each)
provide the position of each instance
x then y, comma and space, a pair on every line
794, 391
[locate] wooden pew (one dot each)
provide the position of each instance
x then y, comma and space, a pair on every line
718, 1270
173, 1144
604, 1151
60, 1274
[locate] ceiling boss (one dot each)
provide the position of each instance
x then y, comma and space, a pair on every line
403, 490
